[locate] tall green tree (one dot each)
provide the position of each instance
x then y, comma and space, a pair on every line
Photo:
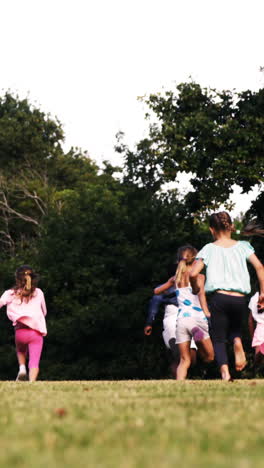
28, 136
216, 137
33, 168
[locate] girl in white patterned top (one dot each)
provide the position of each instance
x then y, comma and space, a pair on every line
192, 321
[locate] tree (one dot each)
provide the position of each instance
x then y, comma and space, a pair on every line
256, 214
215, 136
33, 168
27, 135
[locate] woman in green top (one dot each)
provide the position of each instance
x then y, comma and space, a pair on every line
228, 280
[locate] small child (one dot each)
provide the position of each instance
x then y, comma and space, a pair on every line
193, 313
26, 308
169, 299
256, 316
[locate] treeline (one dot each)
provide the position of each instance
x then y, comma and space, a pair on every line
101, 238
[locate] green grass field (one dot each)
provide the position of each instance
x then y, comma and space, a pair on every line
132, 424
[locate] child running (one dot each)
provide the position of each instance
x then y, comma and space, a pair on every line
26, 308
193, 313
228, 282
256, 316
169, 300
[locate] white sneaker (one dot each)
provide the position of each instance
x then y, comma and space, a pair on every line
22, 376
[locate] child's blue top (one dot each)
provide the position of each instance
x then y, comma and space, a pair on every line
226, 267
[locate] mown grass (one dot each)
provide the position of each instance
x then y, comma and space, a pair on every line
132, 424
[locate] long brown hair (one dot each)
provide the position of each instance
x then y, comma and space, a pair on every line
183, 261
26, 283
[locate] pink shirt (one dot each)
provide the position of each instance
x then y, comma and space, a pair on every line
31, 313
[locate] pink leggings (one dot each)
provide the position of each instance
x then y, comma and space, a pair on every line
31, 341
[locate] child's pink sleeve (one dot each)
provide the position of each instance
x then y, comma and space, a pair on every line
5, 298
43, 304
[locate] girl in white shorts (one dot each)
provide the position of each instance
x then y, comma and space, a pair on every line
169, 334
192, 322
169, 327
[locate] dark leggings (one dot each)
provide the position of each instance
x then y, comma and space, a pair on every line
227, 314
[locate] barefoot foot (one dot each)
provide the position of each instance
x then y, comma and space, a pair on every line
225, 373
240, 357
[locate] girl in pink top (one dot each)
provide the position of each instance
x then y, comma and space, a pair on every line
26, 308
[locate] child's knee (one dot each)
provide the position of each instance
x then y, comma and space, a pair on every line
185, 361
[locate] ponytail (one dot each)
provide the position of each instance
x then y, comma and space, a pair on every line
182, 267
26, 282
185, 256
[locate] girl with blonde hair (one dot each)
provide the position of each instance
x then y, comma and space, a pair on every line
193, 313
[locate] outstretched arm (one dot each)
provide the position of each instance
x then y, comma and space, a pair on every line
43, 305
196, 269
202, 296
5, 298
153, 308
253, 259
163, 287
155, 303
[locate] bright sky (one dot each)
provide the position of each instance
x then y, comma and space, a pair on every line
87, 61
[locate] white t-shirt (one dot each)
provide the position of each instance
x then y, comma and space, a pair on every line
253, 306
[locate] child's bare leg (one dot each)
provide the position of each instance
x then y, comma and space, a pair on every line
185, 360
33, 374
225, 374
259, 358
173, 368
206, 350
21, 357
193, 356
22, 373
240, 357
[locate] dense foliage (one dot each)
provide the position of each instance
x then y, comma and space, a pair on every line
216, 137
101, 242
